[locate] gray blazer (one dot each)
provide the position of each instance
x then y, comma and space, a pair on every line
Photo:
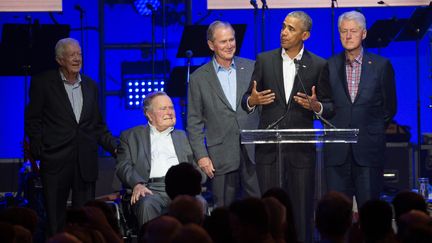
213, 125
134, 158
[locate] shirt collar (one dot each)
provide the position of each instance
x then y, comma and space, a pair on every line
154, 131
358, 59
298, 57
218, 67
63, 77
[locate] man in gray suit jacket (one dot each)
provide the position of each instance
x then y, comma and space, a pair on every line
215, 118
147, 152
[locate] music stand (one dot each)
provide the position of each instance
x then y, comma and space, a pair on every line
414, 30
194, 38
29, 48
177, 83
383, 31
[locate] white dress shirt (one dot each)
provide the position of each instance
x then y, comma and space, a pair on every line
289, 72
162, 151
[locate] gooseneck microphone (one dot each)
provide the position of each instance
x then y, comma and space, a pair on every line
298, 64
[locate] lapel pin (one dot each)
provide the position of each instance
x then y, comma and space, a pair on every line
370, 62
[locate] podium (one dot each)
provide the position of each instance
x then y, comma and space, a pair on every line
296, 136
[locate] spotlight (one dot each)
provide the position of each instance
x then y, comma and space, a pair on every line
137, 81
145, 7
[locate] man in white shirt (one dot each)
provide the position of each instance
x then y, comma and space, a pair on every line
147, 152
279, 77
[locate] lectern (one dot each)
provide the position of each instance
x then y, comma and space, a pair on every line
282, 136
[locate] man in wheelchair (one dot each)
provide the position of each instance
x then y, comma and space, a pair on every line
145, 154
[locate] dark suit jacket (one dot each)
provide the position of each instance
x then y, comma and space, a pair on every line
134, 154
269, 75
213, 122
373, 108
56, 138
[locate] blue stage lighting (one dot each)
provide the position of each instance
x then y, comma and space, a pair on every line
145, 7
142, 85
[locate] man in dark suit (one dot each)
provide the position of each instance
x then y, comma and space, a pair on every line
364, 95
147, 152
215, 118
279, 75
65, 126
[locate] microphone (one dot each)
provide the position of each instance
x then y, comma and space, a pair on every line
275, 123
254, 4
298, 64
79, 8
188, 53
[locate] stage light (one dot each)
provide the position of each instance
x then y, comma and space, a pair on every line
138, 81
134, 96
145, 7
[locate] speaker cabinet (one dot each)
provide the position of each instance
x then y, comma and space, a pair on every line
398, 167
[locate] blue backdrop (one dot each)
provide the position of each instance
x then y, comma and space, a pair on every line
124, 25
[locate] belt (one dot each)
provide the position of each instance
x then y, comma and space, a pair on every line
156, 180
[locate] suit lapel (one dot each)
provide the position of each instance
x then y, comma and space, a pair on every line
146, 145
342, 73
215, 84
365, 74
86, 93
277, 66
241, 74
177, 146
63, 96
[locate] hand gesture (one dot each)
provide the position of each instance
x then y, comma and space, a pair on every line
308, 102
264, 97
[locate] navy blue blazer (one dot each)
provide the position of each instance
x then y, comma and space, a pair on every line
372, 109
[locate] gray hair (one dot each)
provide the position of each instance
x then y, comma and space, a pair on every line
217, 24
304, 17
353, 15
148, 101
61, 46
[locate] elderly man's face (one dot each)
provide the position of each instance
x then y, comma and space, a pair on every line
71, 60
351, 35
162, 113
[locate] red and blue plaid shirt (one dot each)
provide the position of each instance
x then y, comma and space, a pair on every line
353, 71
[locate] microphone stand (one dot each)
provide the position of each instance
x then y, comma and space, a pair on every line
333, 25
325, 121
189, 55
153, 23
255, 6
264, 8
81, 11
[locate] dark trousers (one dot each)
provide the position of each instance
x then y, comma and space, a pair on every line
56, 188
363, 182
243, 182
152, 206
298, 180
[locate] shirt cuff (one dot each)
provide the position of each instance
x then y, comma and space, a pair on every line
251, 109
319, 113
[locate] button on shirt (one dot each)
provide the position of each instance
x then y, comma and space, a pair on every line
74, 93
353, 72
228, 80
289, 72
163, 154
